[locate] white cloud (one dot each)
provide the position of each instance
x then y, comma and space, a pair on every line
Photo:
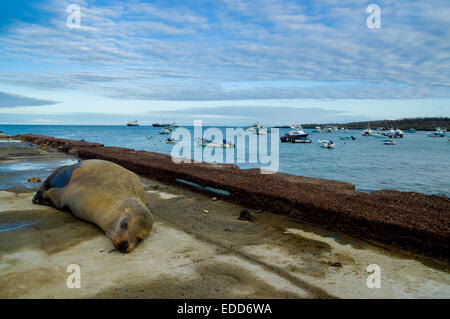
137, 50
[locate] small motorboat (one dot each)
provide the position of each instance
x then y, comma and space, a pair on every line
347, 138
210, 143
367, 132
317, 129
326, 143
165, 131
389, 142
438, 133
379, 135
257, 129
296, 135
170, 140
398, 133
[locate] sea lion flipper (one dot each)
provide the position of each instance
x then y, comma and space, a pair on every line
58, 179
37, 197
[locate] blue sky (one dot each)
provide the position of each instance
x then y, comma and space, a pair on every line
226, 62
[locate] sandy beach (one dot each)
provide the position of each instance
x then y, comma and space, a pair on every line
197, 249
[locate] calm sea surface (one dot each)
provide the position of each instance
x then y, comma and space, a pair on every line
417, 163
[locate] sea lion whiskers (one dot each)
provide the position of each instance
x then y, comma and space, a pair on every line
110, 233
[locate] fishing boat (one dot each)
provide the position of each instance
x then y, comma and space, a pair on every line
389, 142
296, 135
326, 143
438, 133
257, 129
210, 143
133, 123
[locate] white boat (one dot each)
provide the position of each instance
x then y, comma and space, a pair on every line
210, 143
257, 128
438, 133
133, 123
165, 131
318, 129
328, 129
367, 132
398, 133
326, 144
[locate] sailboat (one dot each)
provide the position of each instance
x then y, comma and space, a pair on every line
438, 133
368, 131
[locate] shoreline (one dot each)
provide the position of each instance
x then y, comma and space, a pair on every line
406, 220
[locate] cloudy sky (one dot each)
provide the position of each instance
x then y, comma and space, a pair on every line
223, 61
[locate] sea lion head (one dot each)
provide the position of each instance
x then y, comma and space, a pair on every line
133, 225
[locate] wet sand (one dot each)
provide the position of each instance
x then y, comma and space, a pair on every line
190, 253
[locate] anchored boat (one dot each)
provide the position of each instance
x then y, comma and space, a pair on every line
159, 124
257, 129
210, 143
389, 142
367, 132
296, 135
165, 131
326, 143
133, 123
438, 133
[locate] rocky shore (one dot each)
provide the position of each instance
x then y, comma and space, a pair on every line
406, 220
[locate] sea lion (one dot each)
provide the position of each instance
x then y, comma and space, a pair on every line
103, 193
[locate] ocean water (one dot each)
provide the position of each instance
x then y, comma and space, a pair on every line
417, 163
